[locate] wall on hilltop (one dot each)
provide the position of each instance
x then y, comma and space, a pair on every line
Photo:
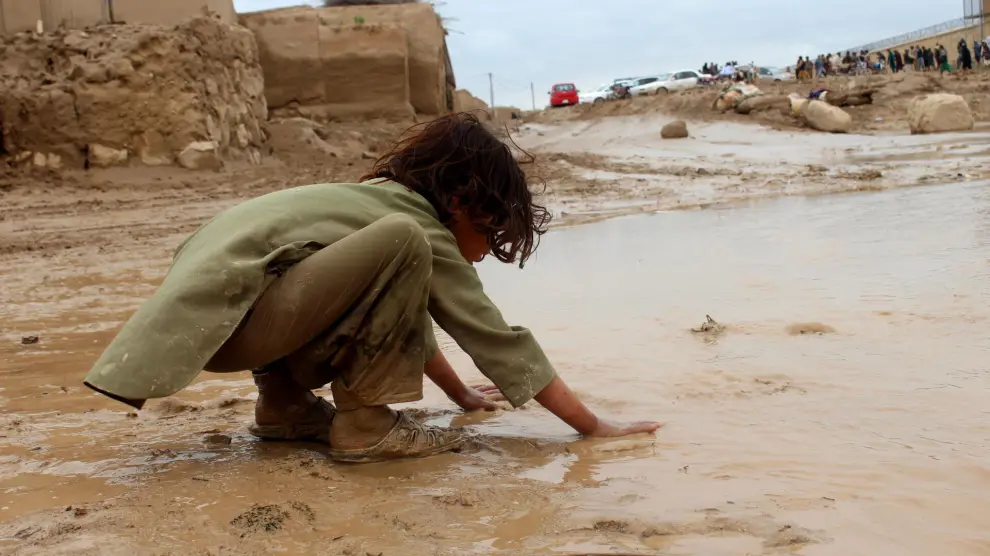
949, 40
354, 61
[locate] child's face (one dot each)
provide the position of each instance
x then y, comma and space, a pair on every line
472, 242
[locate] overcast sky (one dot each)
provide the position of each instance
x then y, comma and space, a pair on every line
589, 43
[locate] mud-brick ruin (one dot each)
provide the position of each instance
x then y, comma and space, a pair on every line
200, 94
191, 94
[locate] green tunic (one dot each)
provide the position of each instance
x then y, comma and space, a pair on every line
220, 270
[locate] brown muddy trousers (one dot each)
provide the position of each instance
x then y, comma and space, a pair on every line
353, 314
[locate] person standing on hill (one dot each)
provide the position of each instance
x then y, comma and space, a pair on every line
944, 66
965, 56
339, 284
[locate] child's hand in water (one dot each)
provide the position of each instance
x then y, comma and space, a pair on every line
611, 429
483, 397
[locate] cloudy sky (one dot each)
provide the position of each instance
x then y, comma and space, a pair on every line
589, 43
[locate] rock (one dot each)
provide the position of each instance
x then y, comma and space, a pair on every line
674, 130
368, 155
727, 101
30, 340
152, 149
121, 68
101, 156
825, 117
95, 73
42, 160
939, 113
298, 139
200, 155
241, 136
220, 439
758, 104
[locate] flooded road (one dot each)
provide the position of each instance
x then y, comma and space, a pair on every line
874, 439
841, 410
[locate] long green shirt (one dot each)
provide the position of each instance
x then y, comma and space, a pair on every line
220, 271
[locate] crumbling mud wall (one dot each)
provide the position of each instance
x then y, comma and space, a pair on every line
170, 12
331, 72
192, 94
464, 101
430, 74
24, 15
343, 61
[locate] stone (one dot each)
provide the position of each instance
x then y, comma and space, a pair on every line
798, 104
759, 104
101, 156
674, 130
242, 137
200, 155
825, 117
152, 149
42, 160
121, 68
939, 113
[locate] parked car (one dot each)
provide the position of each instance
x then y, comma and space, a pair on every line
598, 95
651, 87
689, 79
775, 74
563, 94
685, 79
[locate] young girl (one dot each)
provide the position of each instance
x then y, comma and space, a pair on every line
336, 283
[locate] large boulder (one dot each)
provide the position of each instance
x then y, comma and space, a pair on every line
825, 117
101, 156
200, 155
299, 140
674, 130
760, 103
939, 113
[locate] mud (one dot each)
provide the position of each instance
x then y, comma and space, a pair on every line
870, 439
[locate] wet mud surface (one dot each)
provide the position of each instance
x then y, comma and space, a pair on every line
838, 408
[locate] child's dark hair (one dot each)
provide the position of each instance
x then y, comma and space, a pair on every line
455, 162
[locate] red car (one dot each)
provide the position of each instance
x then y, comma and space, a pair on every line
563, 94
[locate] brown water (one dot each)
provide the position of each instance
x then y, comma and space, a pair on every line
873, 438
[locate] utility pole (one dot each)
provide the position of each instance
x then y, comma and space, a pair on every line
532, 93
491, 93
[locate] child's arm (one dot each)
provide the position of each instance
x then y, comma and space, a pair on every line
558, 398
442, 374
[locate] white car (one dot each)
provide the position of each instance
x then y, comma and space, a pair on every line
685, 79
597, 96
775, 74
651, 87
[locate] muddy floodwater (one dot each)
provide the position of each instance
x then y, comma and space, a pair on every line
841, 405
